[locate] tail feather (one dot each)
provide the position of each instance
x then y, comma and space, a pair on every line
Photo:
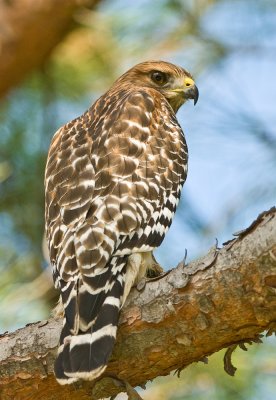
85, 355
59, 368
91, 297
69, 300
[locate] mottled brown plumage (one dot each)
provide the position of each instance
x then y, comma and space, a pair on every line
113, 181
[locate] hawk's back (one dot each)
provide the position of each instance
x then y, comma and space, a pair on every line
113, 181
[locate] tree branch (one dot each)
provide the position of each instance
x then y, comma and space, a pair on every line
221, 299
30, 29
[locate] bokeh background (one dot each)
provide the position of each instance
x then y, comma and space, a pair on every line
230, 48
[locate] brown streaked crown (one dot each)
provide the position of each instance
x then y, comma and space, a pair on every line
140, 73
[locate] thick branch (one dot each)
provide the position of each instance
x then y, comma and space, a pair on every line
30, 29
225, 297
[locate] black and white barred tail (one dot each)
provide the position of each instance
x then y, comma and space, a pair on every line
84, 354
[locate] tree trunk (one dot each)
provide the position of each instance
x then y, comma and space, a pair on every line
226, 297
30, 29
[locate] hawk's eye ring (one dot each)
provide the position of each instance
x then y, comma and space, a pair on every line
159, 77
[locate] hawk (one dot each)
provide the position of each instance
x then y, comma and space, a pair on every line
113, 181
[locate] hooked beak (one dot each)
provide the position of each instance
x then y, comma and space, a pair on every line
192, 93
190, 90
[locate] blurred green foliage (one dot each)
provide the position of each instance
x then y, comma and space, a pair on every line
230, 47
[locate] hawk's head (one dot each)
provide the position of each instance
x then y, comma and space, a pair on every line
175, 84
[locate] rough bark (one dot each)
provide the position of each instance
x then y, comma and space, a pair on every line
30, 29
221, 299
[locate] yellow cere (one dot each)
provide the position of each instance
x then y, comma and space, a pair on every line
188, 82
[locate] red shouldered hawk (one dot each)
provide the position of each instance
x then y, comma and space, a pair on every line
113, 181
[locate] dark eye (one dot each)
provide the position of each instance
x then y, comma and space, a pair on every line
159, 77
